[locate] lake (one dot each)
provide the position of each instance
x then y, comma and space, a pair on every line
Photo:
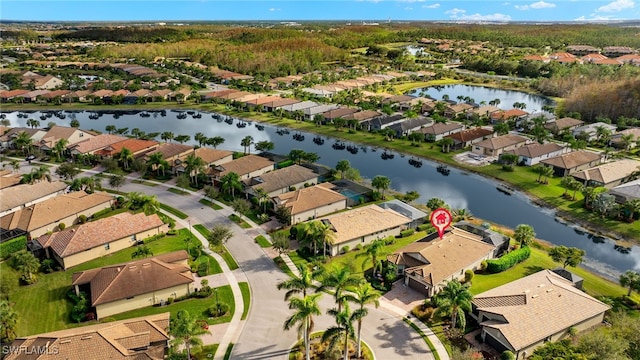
459, 189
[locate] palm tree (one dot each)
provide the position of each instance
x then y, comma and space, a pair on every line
90, 183
565, 182
576, 186
381, 183
23, 142
446, 144
167, 136
305, 308
501, 128
193, 165
125, 156
59, 148
215, 141
376, 251
185, 330
8, 322
264, 146
230, 182
263, 198
200, 138
110, 128
148, 203
630, 279
339, 279
141, 252
342, 166
362, 295
246, 143
543, 172
453, 300
156, 161
40, 173
15, 165
27, 265
632, 207
342, 332
300, 285
318, 232
524, 234
626, 140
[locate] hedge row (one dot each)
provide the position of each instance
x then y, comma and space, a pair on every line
509, 260
12, 246
408, 232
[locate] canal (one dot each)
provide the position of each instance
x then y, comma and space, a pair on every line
459, 189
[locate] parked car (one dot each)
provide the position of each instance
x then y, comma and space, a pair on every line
30, 157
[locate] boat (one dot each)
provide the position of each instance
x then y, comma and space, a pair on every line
505, 189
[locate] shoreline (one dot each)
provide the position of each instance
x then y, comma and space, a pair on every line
596, 230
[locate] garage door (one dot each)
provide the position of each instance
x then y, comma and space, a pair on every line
495, 343
416, 285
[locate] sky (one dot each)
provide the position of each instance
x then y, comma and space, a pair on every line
355, 11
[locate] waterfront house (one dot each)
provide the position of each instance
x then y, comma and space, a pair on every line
515, 115
437, 131
633, 133
408, 126
417, 216
627, 191
341, 112
281, 181
56, 133
94, 144
572, 162
497, 145
610, 174
246, 167
136, 284
311, 202
136, 146
532, 154
462, 139
171, 153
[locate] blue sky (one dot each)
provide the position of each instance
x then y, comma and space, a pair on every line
348, 10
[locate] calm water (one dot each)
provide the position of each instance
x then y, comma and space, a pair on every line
507, 98
459, 189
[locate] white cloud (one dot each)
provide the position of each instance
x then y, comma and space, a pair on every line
593, 17
488, 17
455, 12
617, 6
273, 9
408, 8
536, 5
431, 6
410, 1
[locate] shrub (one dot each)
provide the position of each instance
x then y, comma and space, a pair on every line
468, 275
218, 310
82, 219
345, 249
358, 247
389, 241
424, 227
509, 260
507, 355
61, 226
14, 245
203, 268
483, 265
169, 301
407, 233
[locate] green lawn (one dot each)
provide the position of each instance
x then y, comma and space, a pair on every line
173, 211
177, 191
48, 295
143, 182
206, 352
246, 298
236, 219
210, 204
221, 250
263, 241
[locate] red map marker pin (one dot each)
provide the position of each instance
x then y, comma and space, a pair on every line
441, 219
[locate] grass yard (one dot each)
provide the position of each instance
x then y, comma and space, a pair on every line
246, 299
146, 183
236, 219
48, 295
173, 211
210, 204
177, 191
263, 241
221, 250
205, 352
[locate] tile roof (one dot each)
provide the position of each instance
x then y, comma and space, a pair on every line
470, 134
572, 159
364, 221
610, 172
97, 233
22, 194
169, 150
96, 143
309, 198
281, 102
535, 150
120, 281
508, 114
439, 259
53, 210
209, 155
564, 123
340, 112
138, 338
243, 165
630, 190
10, 180
59, 132
537, 306
501, 142
263, 100
362, 115
441, 128
135, 145
282, 178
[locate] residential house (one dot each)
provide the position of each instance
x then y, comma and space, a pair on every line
8, 178
40, 218
572, 162
40, 82
310, 113
137, 147
56, 133
362, 116
462, 139
593, 58
210, 158
88, 241
610, 174
526, 313
281, 181
6, 140
382, 122
319, 93
616, 51
246, 167
451, 111
633, 133
499, 241
590, 131
417, 216
273, 105
563, 124
627, 191
12, 94
131, 339
398, 100
363, 225
311, 202
171, 153
35, 95
515, 115
410, 125
94, 144
532, 154
330, 115
497, 145
299, 106
428, 264
580, 50
437, 131
19, 197
136, 284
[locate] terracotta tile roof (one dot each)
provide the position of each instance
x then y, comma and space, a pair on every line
102, 93
564, 123
624, 58
551, 304
222, 93
536, 149
309, 198
209, 155
137, 338
536, 58
398, 99
97, 233
572, 159
243, 165
635, 132
121, 281
135, 145
608, 62
439, 259
95, 143
53, 210
263, 100
364, 221
12, 93
470, 134
282, 102
440, 128
508, 114
362, 115
282, 178
562, 55
610, 172
485, 110
501, 142
593, 57
169, 150
21, 194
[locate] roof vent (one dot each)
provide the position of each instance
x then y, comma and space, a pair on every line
549, 290
86, 337
132, 267
534, 296
146, 264
65, 341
